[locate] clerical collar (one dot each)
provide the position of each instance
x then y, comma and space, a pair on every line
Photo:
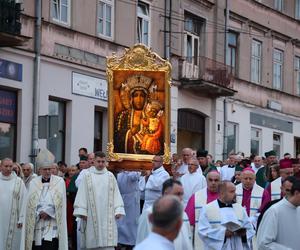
221, 204
45, 180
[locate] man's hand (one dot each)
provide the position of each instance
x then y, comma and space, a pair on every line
83, 217
118, 216
44, 216
241, 232
228, 234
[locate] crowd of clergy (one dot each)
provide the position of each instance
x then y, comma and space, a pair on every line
199, 203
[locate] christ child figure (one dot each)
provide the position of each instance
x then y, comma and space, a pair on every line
152, 128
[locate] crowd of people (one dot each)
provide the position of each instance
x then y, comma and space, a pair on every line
241, 203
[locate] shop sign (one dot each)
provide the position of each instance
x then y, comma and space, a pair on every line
89, 86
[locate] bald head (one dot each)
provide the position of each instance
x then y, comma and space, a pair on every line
226, 190
186, 154
167, 213
6, 166
213, 179
248, 178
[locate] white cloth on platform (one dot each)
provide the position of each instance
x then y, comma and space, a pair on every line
99, 199
153, 186
50, 198
211, 227
183, 168
128, 183
192, 183
280, 227
155, 242
227, 172
12, 198
183, 240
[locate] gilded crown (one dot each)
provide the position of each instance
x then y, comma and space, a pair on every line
137, 82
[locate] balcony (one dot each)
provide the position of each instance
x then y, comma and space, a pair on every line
209, 78
10, 25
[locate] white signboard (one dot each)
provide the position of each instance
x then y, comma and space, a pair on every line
89, 86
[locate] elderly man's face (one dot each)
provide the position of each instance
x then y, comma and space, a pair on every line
45, 172
26, 170
213, 180
248, 179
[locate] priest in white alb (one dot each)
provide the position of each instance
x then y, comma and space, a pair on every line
99, 204
224, 224
200, 199
12, 196
280, 225
183, 240
192, 181
45, 225
152, 182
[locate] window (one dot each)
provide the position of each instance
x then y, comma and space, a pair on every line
61, 11
255, 141
231, 137
143, 23
98, 131
256, 61
278, 5
192, 27
231, 50
277, 69
277, 144
105, 18
8, 124
297, 9
297, 69
56, 136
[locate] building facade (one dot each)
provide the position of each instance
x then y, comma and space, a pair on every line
236, 80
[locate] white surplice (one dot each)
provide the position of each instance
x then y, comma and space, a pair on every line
99, 199
280, 227
191, 184
12, 196
183, 240
153, 186
211, 227
50, 198
128, 183
155, 242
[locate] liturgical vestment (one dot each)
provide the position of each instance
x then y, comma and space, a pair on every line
12, 197
99, 199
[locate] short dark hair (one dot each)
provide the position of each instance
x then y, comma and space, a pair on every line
169, 184
166, 212
100, 154
290, 179
84, 149
295, 186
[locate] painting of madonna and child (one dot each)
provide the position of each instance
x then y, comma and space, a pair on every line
139, 112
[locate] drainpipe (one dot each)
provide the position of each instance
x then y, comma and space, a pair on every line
225, 62
167, 29
36, 81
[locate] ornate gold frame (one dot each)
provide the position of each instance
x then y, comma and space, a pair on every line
138, 59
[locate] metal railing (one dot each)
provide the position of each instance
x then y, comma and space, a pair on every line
10, 14
208, 70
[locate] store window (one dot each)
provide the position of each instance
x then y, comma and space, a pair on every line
232, 130
277, 144
98, 131
255, 141
8, 124
56, 125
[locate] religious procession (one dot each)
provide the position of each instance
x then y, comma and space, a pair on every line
149, 125
241, 203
